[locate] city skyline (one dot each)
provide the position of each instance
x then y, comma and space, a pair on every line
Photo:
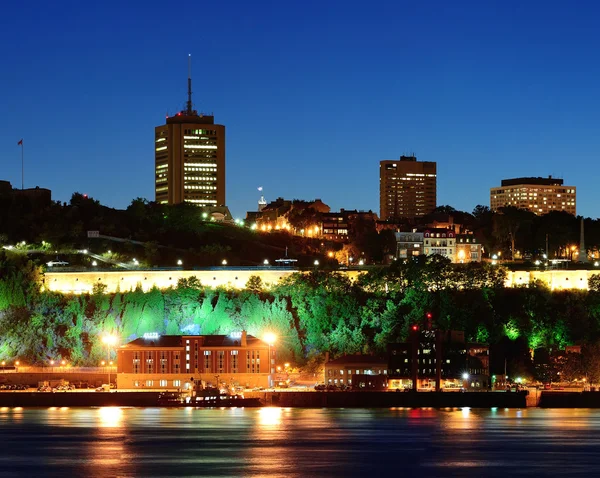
487, 92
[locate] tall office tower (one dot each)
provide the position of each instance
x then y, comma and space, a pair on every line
407, 188
538, 195
190, 158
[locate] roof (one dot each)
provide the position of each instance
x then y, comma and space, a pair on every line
173, 341
357, 359
549, 181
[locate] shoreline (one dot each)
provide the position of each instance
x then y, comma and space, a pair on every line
302, 399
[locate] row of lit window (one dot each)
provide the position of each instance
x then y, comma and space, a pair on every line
200, 131
199, 146
203, 165
200, 178
213, 170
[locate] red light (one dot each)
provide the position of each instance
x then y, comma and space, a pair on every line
85, 196
414, 327
429, 316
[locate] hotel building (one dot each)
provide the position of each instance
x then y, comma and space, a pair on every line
538, 195
407, 188
190, 159
170, 362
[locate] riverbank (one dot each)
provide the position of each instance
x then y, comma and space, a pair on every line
278, 399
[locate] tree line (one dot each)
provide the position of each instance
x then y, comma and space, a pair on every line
311, 313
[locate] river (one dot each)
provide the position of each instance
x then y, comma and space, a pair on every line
73, 442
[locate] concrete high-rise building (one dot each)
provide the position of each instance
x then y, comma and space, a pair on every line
538, 195
407, 188
190, 158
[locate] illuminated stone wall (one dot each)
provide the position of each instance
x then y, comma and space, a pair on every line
555, 279
83, 282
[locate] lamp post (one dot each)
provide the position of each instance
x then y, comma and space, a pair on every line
109, 340
270, 339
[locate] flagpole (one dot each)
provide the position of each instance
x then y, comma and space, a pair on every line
22, 166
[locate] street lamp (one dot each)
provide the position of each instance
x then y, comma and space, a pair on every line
224, 262
109, 340
270, 338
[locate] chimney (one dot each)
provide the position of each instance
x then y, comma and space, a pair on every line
244, 342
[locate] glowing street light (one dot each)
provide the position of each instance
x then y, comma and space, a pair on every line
465, 376
270, 338
316, 262
266, 262
224, 262
109, 340
179, 262
94, 263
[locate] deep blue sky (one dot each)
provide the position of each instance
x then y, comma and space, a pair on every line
313, 94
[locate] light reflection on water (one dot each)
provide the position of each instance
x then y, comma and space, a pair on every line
115, 441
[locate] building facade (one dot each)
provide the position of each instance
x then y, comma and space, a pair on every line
190, 158
440, 241
355, 370
409, 244
407, 188
538, 195
468, 248
434, 355
170, 362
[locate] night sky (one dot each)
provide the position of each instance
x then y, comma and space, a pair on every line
313, 94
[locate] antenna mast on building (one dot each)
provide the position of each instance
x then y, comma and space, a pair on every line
189, 101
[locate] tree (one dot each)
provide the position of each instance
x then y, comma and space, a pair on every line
254, 284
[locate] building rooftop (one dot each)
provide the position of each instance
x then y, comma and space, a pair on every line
549, 181
168, 341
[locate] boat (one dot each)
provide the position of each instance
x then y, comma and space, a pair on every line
207, 397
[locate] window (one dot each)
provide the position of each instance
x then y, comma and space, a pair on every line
163, 383
136, 362
221, 361
207, 361
149, 363
136, 383
163, 361
149, 383
234, 361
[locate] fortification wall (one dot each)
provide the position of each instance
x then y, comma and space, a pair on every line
83, 282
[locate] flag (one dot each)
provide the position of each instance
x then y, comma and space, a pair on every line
20, 143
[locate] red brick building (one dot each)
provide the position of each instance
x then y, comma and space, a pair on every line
172, 361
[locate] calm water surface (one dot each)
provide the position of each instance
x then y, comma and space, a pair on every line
110, 441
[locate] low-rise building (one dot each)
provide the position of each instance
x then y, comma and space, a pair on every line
409, 244
440, 241
432, 355
351, 370
468, 248
172, 362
